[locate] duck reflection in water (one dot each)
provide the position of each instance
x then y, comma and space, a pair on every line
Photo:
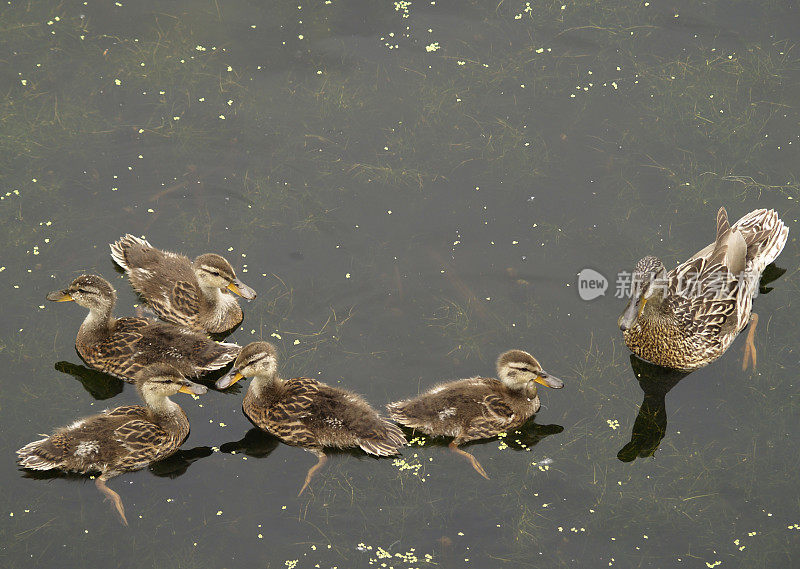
650, 425
177, 464
99, 385
255, 443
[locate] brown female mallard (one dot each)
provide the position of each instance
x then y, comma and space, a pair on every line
686, 318
478, 407
123, 346
119, 440
307, 413
189, 293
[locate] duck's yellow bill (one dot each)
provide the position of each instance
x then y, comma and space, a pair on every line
186, 389
641, 307
65, 298
228, 379
549, 381
238, 287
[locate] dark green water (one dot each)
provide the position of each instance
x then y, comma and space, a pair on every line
411, 188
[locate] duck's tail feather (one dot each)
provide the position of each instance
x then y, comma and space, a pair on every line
128, 241
37, 456
765, 235
408, 414
221, 355
387, 440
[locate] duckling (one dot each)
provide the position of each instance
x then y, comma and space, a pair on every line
686, 318
123, 346
119, 440
478, 407
307, 413
185, 292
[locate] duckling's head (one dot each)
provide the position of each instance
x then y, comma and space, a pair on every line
259, 360
90, 291
162, 380
520, 370
648, 282
214, 271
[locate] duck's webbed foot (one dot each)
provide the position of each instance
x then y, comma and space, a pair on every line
472, 460
750, 345
113, 497
313, 470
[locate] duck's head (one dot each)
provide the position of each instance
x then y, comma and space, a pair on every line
259, 360
214, 271
162, 380
90, 291
648, 282
520, 370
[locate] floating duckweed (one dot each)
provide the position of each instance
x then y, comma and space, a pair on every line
414, 466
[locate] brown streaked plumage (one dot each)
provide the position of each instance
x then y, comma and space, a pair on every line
688, 317
478, 407
189, 293
123, 346
307, 413
119, 440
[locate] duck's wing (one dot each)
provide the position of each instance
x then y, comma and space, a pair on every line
144, 442
191, 351
180, 305
497, 416
287, 418
132, 411
703, 296
115, 355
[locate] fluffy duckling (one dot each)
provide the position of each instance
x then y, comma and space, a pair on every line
688, 317
307, 413
189, 293
119, 440
478, 407
123, 346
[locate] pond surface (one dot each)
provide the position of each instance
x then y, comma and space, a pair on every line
411, 188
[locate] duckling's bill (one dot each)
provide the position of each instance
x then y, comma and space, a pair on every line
60, 296
549, 381
631, 313
193, 388
229, 379
238, 287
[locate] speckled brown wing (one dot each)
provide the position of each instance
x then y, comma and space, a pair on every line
285, 418
497, 417
115, 355
145, 442
181, 305
127, 411
702, 297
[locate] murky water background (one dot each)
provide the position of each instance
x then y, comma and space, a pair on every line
412, 188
